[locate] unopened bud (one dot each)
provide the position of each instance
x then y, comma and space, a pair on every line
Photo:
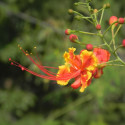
121, 20
73, 38
76, 4
123, 42
112, 20
9, 59
89, 47
95, 11
67, 31
108, 5
104, 6
98, 26
70, 11
78, 17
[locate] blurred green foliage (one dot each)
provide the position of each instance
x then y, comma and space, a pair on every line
28, 100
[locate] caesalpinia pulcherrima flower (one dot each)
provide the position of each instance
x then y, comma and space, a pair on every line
82, 67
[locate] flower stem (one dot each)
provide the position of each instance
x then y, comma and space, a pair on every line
118, 48
102, 37
113, 39
86, 18
99, 45
115, 34
105, 63
109, 28
101, 16
80, 3
88, 33
114, 65
117, 30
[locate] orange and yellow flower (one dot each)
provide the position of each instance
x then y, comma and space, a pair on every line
82, 67
82, 64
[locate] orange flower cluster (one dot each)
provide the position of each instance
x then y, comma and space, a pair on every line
82, 67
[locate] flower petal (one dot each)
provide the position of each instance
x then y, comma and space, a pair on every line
62, 71
89, 60
85, 79
72, 59
102, 55
77, 83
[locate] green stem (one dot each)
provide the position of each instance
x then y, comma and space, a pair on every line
105, 63
83, 16
80, 3
101, 16
95, 16
99, 45
109, 28
86, 17
114, 65
115, 34
113, 39
77, 13
100, 10
78, 42
118, 48
112, 61
89, 9
120, 60
88, 33
117, 30
102, 37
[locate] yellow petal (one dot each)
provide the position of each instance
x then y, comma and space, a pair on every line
62, 71
86, 57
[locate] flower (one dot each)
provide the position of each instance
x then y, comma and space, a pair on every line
103, 57
82, 67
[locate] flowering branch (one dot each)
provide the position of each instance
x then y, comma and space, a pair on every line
91, 60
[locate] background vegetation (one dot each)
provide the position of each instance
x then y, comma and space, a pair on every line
29, 100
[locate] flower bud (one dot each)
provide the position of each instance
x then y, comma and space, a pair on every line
121, 20
95, 11
98, 26
112, 20
104, 6
78, 17
76, 4
67, 31
73, 38
89, 47
123, 42
70, 11
11, 63
108, 5
9, 59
